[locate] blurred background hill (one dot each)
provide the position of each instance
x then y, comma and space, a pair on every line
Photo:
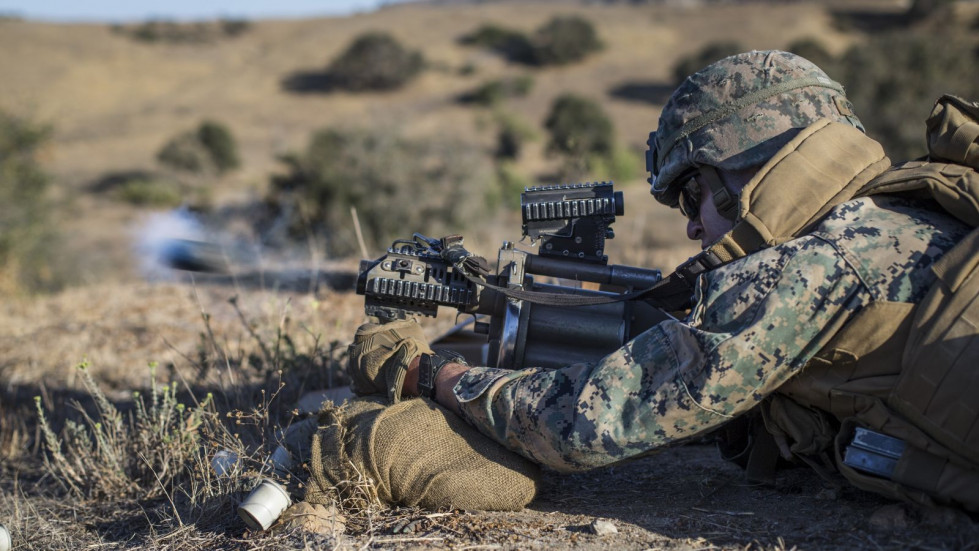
121, 115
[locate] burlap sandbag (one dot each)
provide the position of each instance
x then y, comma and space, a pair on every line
416, 453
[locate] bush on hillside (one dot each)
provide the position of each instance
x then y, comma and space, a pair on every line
512, 133
894, 80
198, 32
27, 233
511, 44
495, 91
490, 35
578, 126
210, 148
220, 145
580, 132
375, 61
710, 53
155, 192
397, 186
562, 40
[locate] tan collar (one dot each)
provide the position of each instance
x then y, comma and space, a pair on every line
823, 166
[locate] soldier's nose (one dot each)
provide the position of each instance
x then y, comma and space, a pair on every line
694, 230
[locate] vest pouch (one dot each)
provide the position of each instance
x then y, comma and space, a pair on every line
938, 390
953, 131
918, 476
954, 187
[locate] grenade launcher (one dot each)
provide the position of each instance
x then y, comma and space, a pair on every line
516, 320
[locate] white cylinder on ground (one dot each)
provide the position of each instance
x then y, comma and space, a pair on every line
5, 543
264, 505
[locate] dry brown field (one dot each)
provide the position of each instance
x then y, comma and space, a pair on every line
113, 102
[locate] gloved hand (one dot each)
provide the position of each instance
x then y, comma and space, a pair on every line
379, 357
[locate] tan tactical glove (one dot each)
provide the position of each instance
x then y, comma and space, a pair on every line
379, 357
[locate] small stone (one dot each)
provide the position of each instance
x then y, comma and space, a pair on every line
889, 518
313, 518
602, 527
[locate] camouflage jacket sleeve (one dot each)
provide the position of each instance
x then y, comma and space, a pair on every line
756, 322
751, 329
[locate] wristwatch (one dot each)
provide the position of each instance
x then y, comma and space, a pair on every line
429, 366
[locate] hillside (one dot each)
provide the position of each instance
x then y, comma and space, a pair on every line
113, 101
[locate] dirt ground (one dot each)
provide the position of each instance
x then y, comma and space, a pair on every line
688, 498
681, 498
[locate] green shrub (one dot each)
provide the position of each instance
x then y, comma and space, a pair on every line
710, 53
184, 153
147, 455
234, 27
220, 145
209, 148
513, 133
173, 32
564, 40
27, 229
580, 132
578, 127
491, 36
397, 186
495, 91
375, 61
895, 78
511, 44
150, 193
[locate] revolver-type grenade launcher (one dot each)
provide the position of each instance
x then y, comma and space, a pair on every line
522, 322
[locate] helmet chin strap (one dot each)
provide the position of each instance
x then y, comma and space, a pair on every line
725, 202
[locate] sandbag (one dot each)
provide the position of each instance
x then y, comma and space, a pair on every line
415, 453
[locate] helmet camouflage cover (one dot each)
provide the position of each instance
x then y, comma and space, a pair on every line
737, 112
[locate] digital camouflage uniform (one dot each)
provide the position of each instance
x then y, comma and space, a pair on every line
757, 320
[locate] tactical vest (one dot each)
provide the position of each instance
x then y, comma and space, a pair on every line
905, 371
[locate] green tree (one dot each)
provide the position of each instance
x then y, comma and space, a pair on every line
895, 78
513, 45
27, 235
397, 186
564, 40
375, 61
209, 148
578, 126
220, 145
580, 132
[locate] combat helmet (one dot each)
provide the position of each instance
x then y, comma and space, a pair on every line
738, 112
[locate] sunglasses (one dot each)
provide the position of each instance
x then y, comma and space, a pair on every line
690, 198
